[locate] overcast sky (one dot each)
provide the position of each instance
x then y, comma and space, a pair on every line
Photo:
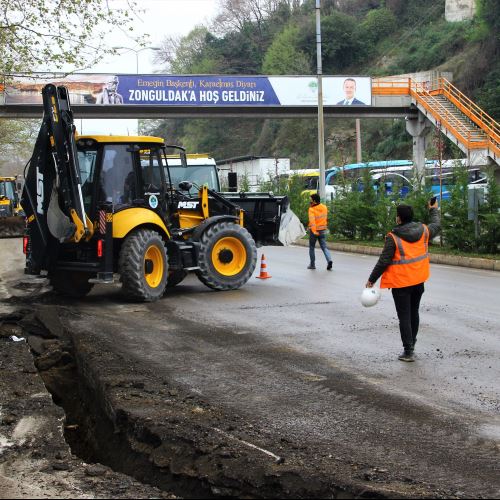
161, 18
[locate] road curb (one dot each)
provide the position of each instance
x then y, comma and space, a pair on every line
450, 260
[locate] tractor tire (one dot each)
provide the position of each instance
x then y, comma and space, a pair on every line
175, 277
227, 256
70, 284
143, 265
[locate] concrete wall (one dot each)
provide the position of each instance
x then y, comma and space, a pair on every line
459, 10
429, 77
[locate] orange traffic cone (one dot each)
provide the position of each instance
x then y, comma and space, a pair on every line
263, 269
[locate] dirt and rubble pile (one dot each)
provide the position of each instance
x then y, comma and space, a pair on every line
35, 460
11, 227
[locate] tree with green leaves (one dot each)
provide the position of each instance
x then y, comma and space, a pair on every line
188, 54
489, 12
283, 57
16, 144
57, 33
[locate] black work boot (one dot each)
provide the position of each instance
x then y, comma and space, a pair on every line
329, 266
406, 356
311, 266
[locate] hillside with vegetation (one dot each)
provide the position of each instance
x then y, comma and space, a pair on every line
359, 37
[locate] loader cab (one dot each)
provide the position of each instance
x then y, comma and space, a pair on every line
123, 171
9, 199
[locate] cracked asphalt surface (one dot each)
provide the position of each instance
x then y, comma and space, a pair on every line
291, 378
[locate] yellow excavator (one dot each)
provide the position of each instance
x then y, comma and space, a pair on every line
11, 212
102, 207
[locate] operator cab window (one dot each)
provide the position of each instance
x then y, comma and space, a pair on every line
201, 175
87, 162
7, 189
118, 180
151, 170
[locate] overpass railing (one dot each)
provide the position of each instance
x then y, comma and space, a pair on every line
484, 121
425, 93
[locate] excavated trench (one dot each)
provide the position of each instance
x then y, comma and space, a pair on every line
89, 432
173, 462
95, 439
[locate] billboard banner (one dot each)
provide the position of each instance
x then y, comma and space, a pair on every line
199, 90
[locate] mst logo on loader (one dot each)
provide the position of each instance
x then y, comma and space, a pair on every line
191, 205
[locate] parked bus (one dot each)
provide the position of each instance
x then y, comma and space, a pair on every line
439, 180
399, 174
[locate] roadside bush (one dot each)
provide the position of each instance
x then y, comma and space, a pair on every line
489, 218
369, 214
344, 209
366, 212
458, 230
274, 184
299, 202
244, 183
385, 210
419, 198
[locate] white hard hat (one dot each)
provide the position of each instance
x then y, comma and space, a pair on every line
370, 296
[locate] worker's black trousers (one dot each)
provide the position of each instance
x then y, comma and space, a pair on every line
407, 301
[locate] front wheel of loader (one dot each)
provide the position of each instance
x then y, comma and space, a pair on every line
143, 265
227, 256
70, 284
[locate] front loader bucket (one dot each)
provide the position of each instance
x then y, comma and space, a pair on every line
12, 227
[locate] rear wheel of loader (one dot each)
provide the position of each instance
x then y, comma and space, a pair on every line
227, 256
70, 284
143, 265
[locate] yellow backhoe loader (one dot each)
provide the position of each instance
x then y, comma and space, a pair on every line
11, 213
99, 207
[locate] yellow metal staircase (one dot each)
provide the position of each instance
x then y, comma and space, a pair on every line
473, 130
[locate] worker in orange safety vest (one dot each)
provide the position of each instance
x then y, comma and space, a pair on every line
404, 267
318, 228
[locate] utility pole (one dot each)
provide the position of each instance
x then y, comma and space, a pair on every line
439, 147
358, 141
321, 129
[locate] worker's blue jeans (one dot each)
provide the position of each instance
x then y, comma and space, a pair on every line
322, 243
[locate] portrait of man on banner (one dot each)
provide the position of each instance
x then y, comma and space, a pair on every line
109, 94
349, 90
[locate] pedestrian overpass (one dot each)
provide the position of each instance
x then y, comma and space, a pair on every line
442, 105
424, 105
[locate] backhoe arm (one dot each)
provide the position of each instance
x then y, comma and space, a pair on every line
52, 197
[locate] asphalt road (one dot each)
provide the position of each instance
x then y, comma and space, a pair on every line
299, 357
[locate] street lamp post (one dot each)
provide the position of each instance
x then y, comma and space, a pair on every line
321, 129
136, 51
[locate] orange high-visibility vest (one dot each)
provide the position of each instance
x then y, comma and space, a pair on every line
410, 264
318, 218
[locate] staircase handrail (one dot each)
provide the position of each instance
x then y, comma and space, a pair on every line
471, 109
441, 86
419, 90
440, 113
